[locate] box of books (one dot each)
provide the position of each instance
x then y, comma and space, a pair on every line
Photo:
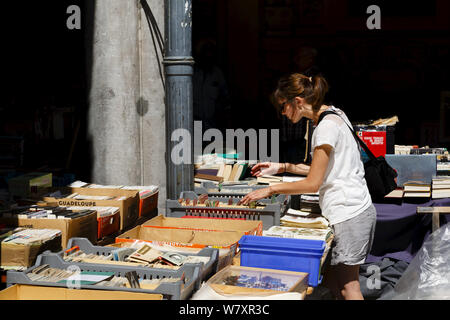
237, 282
28, 184
71, 224
26, 292
126, 200
183, 237
21, 248
290, 254
108, 219
245, 226
148, 199
148, 195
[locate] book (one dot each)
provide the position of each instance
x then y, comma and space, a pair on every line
238, 173
211, 172
416, 186
439, 194
441, 180
299, 233
416, 194
32, 236
227, 172
208, 177
144, 191
221, 170
268, 179
310, 221
145, 254
233, 172
78, 184
440, 186
395, 194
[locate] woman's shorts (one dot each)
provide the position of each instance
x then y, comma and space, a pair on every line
353, 238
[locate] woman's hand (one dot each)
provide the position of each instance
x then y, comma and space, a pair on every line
256, 195
266, 168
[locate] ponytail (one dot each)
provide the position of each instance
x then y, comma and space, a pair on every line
312, 89
320, 89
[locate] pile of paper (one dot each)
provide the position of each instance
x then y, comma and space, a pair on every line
299, 233
302, 219
32, 236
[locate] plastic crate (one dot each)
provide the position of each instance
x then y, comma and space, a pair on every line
270, 215
207, 270
170, 291
284, 254
237, 191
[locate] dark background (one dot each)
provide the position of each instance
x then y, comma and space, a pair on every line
398, 70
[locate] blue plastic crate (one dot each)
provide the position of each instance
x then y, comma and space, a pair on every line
283, 254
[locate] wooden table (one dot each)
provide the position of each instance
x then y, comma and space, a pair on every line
435, 211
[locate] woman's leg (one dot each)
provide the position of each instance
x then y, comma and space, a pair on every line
348, 278
330, 280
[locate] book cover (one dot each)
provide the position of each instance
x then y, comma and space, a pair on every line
227, 172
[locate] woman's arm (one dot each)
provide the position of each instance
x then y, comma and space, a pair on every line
300, 169
310, 184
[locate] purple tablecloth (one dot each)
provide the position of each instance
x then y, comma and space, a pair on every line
400, 231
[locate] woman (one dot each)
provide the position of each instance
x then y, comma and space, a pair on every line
337, 173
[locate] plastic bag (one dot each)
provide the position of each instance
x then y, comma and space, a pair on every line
428, 275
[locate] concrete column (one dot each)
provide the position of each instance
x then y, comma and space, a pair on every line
153, 110
126, 108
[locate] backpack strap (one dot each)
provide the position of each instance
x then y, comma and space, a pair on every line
357, 138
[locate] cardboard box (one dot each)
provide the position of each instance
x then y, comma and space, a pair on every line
258, 281
12, 254
246, 226
108, 225
183, 237
25, 292
84, 227
28, 184
128, 207
149, 205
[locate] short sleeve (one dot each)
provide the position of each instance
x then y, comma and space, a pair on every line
327, 133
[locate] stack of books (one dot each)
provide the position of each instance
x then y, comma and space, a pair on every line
223, 172
416, 189
440, 187
299, 233
310, 203
302, 219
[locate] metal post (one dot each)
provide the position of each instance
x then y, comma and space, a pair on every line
178, 63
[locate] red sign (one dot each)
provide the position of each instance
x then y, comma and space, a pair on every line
375, 141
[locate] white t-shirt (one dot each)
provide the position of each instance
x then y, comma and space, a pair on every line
343, 193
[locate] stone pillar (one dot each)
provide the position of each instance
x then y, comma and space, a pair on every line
126, 117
